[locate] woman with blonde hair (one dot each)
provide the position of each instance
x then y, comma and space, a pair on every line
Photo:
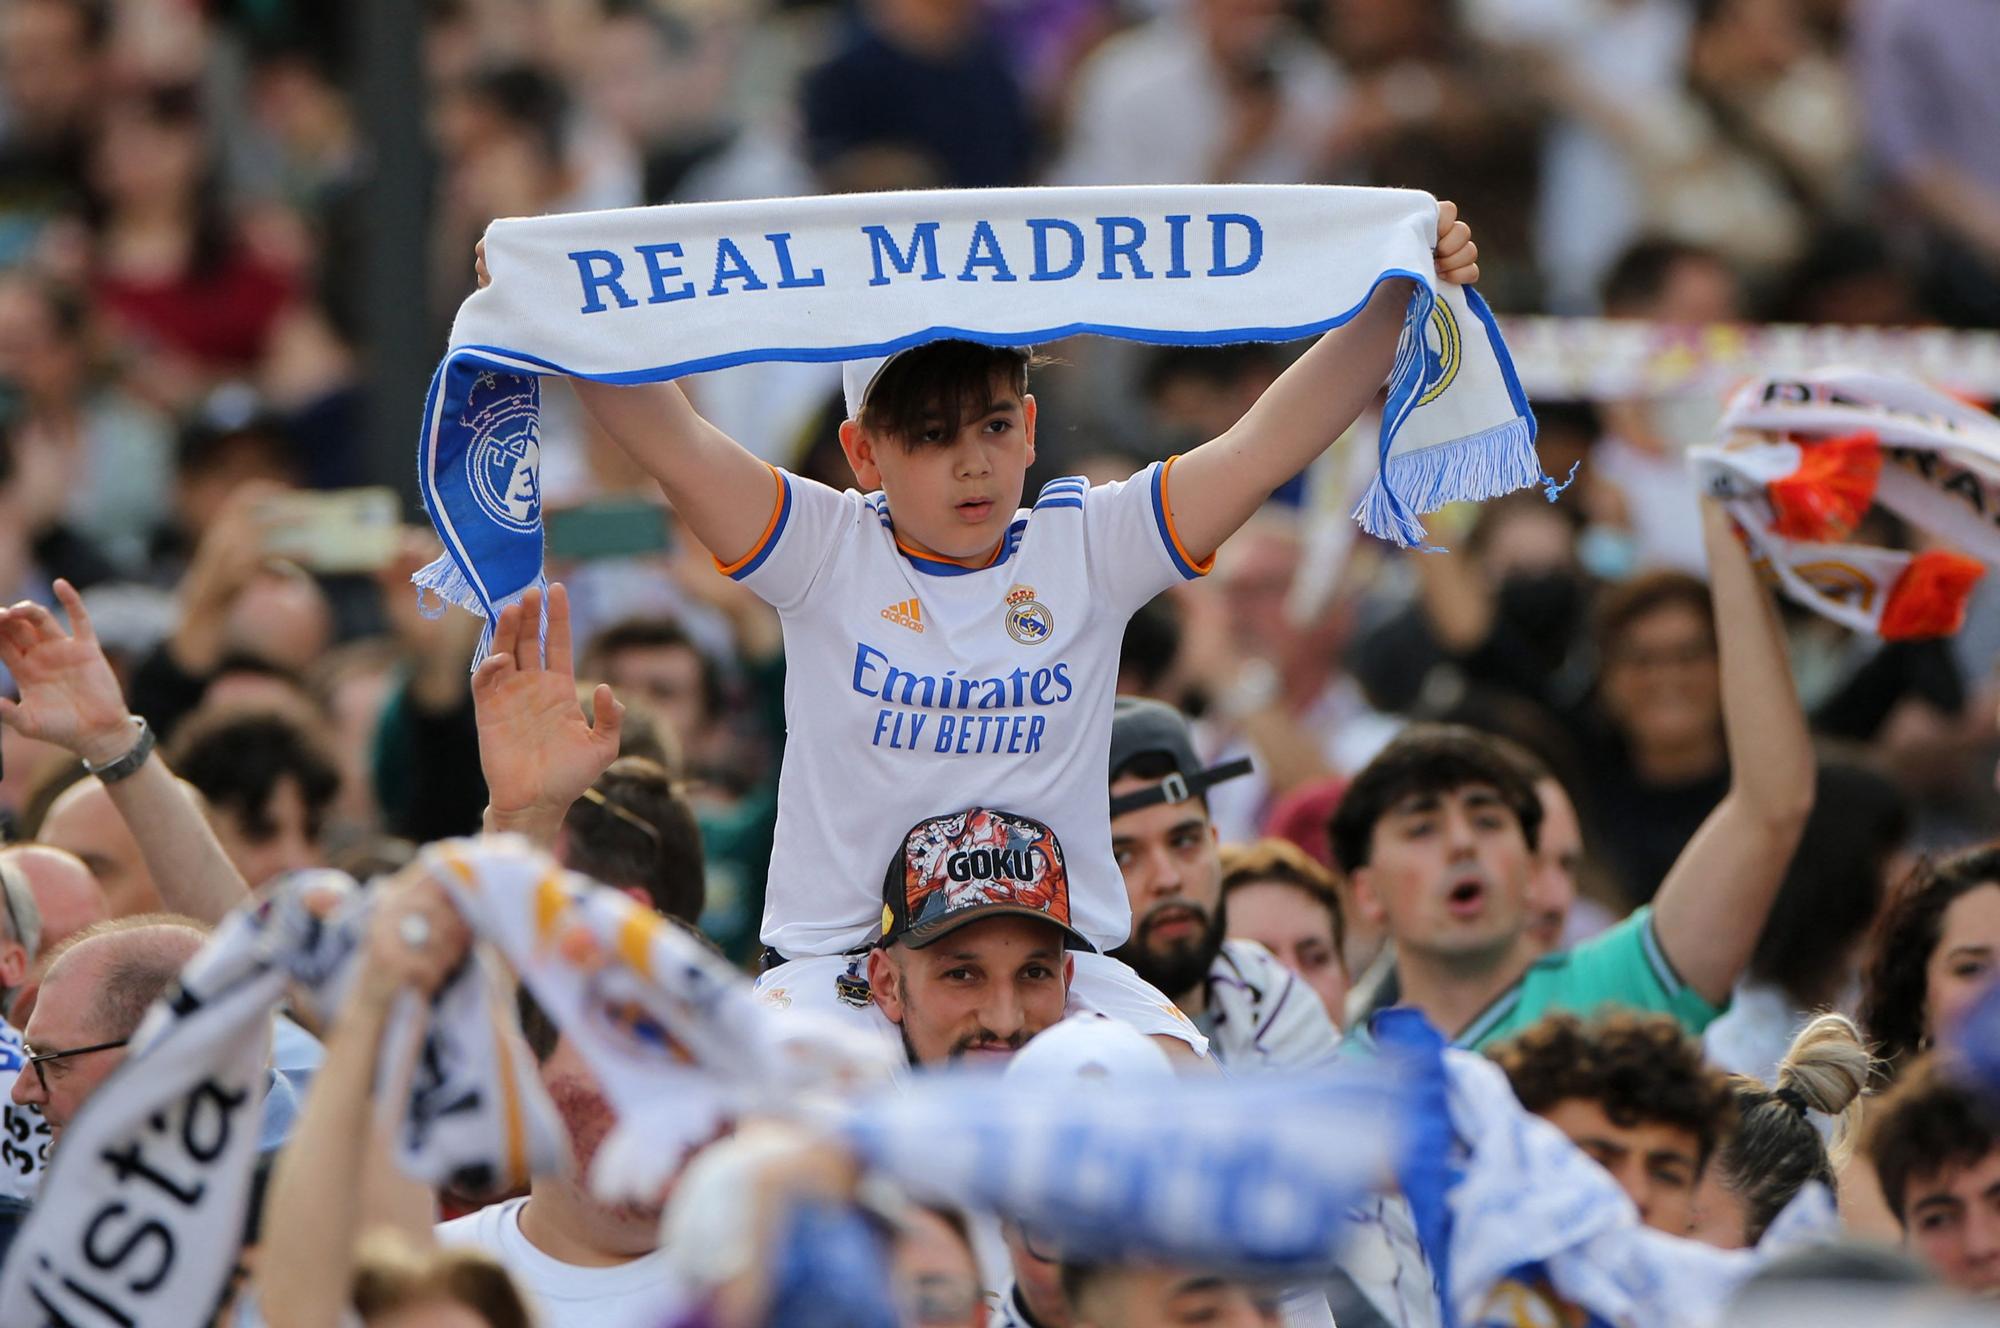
1777, 1147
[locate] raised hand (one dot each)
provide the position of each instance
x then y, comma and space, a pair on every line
538, 752
1457, 256
69, 695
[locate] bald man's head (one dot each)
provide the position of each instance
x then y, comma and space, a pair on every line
84, 822
96, 989
66, 894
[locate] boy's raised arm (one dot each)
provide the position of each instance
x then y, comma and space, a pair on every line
725, 495
1214, 489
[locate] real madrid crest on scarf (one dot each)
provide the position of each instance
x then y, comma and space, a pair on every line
503, 465
1028, 619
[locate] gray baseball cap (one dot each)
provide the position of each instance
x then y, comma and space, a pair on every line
1140, 727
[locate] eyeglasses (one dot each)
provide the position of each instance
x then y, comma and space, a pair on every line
37, 1058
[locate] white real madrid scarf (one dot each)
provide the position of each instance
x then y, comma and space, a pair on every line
138, 1217
646, 294
1805, 457
144, 1201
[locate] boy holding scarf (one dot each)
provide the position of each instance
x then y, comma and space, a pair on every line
934, 618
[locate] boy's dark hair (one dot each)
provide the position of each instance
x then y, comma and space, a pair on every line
942, 385
1895, 986
1621, 605
654, 633
634, 829
236, 758
1636, 1067
1282, 862
1428, 759
1927, 1122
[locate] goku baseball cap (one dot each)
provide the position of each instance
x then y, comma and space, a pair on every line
971, 865
1140, 727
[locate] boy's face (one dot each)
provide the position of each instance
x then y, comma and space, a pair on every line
951, 496
1953, 1222
1448, 874
1657, 1164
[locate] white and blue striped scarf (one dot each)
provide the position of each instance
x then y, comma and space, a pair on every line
647, 294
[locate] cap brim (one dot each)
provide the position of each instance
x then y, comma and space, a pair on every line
927, 933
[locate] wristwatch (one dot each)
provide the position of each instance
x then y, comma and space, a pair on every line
128, 764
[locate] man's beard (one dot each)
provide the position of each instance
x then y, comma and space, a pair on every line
1177, 967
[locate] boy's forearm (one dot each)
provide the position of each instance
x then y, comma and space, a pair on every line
1219, 485
718, 488
653, 423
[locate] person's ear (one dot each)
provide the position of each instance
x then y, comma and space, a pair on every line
859, 447
883, 986
1028, 423
1368, 901
1069, 971
13, 965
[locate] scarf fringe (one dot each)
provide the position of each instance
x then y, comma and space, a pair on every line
1485, 465
446, 580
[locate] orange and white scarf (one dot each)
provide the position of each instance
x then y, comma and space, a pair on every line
1805, 457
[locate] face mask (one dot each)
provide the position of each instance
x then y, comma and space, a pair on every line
1544, 605
1607, 553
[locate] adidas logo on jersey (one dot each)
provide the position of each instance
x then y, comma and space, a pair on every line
908, 614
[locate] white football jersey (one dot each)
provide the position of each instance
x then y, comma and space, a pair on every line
1261, 1019
916, 686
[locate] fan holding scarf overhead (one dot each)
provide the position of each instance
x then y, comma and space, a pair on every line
949, 641
648, 295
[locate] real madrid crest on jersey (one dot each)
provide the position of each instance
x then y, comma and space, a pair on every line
1028, 619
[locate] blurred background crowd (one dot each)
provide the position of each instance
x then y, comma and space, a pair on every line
190, 335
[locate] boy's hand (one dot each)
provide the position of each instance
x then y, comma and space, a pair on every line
1457, 256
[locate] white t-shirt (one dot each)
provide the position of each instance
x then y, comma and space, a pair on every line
916, 687
639, 1294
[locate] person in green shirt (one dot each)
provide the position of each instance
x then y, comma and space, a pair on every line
1438, 834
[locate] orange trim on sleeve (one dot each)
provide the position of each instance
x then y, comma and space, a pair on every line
1203, 566
770, 527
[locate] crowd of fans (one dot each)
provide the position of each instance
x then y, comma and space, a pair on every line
1723, 860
